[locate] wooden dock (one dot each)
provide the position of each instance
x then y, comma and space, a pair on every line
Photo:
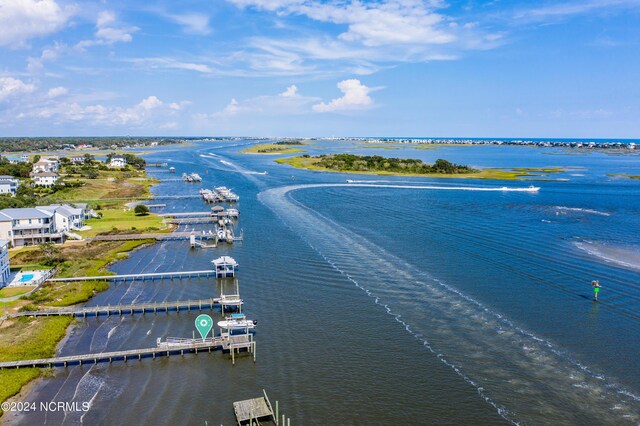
142, 277
186, 305
254, 410
172, 346
192, 220
167, 236
185, 214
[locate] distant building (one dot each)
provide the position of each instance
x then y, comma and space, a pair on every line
28, 226
46, 179
5, 271
77, 159
8, 185
118, 161
46, 165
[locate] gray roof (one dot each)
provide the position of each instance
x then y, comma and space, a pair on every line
64, 210
6, 177
45, 174
25, 213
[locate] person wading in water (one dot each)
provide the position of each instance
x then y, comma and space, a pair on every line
596, 289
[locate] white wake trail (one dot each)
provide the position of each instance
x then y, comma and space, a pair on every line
523, 376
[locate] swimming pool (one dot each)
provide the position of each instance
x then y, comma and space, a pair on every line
26, 278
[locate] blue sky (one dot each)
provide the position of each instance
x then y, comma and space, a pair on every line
321, 68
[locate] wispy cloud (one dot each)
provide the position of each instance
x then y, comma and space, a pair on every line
559, 11
288, 102
109, 31
149, 112
193, 23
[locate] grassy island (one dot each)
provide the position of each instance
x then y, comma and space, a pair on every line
624, 175
282, 147
378, 165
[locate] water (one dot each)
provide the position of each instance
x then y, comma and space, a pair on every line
389, 305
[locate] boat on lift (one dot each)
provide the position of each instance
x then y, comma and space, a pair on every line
237, 322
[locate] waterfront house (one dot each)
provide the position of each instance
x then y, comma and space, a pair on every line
28, 226
46, 165
5, 271
77, 159
8, 185
46, 179
118, 161
66, 217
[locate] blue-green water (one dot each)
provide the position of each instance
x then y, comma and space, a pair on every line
381, 305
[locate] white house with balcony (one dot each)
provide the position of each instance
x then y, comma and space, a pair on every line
46, 179
28, 226
118, 161
8, 185
66, 217
5, 271
46, 165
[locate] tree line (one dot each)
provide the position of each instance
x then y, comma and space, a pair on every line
377, 163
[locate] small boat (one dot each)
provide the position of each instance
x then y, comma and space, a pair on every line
172, 169
350, 181
237, 322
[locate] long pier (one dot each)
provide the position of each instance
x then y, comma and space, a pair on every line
192, 220
186, 305
167, 236
141, 277
185, 214
173, 346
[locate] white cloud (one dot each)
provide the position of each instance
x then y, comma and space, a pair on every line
360, 37
371, 23
57, 91
12, 87
193, 23
356, 96
149, 103
230, 110
290, 92
170, 63
108, 31
288, 102
36, 64
559, 11
149, 112
22, 20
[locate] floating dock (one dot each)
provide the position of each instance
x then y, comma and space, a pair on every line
172, 346
252, 411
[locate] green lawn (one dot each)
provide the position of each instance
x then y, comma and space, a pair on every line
28, 338
122, 219
14, 291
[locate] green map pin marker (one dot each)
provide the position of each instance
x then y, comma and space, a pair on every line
204, 324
